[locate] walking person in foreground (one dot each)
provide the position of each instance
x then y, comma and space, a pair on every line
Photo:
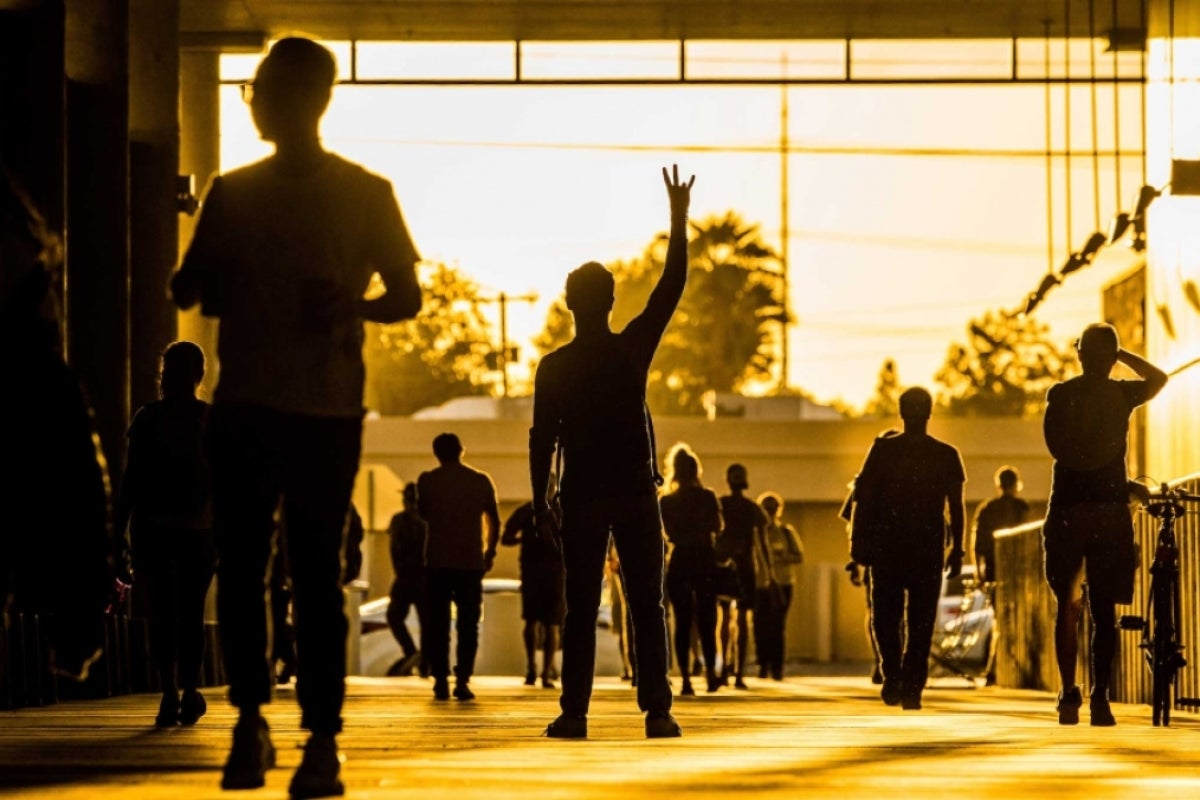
590, 400
283, 254
908, 483
1089, 527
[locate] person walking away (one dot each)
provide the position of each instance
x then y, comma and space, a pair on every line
744, 534
458, 502
283, 254
692, 520
406, 543
543, 602
590, 399
907, 485
165, 501
1089, 528
771, 610
1005, 510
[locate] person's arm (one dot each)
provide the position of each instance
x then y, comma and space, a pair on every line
649, 326
199, 278
422, 496
764, 547
511, 536
1154, 379
394, 257
958, 515
491, 521
543, 436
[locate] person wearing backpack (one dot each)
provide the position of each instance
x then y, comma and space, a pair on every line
165, 504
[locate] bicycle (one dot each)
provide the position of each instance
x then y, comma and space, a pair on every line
1160, 643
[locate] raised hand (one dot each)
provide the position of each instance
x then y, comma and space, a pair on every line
680, 194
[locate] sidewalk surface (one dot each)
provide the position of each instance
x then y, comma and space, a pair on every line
813, 736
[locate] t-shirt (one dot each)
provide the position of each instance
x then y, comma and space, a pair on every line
903, 487
691, 518
994, 515
168, 468
535, 551
272, 246
743, 518
452, 501
406, 533
1086, 427
787, 552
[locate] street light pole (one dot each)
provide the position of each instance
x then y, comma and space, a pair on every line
504, 299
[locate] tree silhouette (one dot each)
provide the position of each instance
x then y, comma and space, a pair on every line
885, 402
1005, 368
439, 355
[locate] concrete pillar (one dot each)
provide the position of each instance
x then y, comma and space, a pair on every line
199, 155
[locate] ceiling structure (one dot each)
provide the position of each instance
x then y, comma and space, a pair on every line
616, 20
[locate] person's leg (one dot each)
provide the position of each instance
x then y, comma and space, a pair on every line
156, 570
435, 636
924, 589
530, 639
887, 614
744, 616
399, 606
763, 626
706, 631
683, 606
637, 531
584, 541
196, 565
1104, 650
549, 648
468, 600
725, 623
779, 656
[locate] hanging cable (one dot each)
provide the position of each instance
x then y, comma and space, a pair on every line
1067, 112
1095, 114
1145, 46
1116, 106
1049, 157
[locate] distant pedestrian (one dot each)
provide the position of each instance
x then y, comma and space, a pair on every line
743, 540
407, 533
1005, 510
907, 485
166, 502
543, 599
458, 502
692, 521
771, 609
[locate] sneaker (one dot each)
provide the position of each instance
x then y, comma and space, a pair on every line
441, 689
762, 672
463, 692
911, 702
661, 725
567, 726
739, 683
877, 675
397, 670
168, 710
192, 707
1069, 701
548, 682
250, 757
687, 690
317, 775
891, 692
714, 683
531, 678
1102, 716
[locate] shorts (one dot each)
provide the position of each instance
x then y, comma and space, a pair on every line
1095, 539
543, 596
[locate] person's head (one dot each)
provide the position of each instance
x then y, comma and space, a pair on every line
291, 89
772, 503
447, 448
916, 405
1008, 480
737, 477
409, 496
1097, 347
591, 290
182, 369
683, 467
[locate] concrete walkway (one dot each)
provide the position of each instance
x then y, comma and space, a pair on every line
808, 737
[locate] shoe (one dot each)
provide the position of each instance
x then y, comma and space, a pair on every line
567, 726
1069, 701
877, 676
714, 683
531, 678
168, 710
463, 692
423, 668
285, 674
739, 683
626, 677
1102, 716
397, 670
687, 690
777, 674
661, 725
192, 707
317, 775
891, 692
911, 702
762, 672
441, 689
250, 757
548, 682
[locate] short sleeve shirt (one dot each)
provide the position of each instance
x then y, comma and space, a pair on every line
453, 499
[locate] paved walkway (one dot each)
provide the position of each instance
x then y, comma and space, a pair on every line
806, 737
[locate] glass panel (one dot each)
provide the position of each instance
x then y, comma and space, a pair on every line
766, 59
616, 60
436, 60
241, 66
1031, 59
970, 58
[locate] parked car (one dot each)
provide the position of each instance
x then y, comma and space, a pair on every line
962, 633
501, 649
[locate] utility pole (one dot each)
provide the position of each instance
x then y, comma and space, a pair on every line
504, 299
784, 143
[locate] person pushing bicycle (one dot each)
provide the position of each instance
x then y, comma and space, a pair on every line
1088, 521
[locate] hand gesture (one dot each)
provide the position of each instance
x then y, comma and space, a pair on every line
680, 194
954, 564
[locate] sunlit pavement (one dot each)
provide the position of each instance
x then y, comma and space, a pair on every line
807, 736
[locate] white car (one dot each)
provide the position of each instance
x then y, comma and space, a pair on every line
962, 633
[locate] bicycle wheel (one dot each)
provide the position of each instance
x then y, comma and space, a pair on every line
1164, 649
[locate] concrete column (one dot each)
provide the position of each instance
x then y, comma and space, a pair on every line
199, 155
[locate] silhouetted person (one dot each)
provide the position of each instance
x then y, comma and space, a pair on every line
744, 541
55, 543
692, 520
458, 502
590, 400
860, 576
283, 254
543, 601
166, 502
771, 610
907, 483
1005, 510
1089, 528
622, 620
406, 540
